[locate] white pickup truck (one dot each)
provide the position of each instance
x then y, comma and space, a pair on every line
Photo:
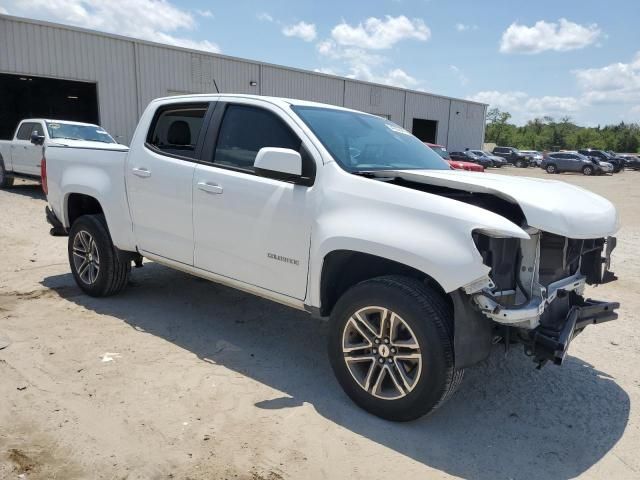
420, 268
22, 156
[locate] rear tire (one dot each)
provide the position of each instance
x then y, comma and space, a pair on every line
520, 163
5, 181
405, 368
93, 259
587, 170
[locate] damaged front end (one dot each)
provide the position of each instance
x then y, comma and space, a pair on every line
534, 292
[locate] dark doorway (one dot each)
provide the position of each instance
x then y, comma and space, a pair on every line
425, 130
25, 96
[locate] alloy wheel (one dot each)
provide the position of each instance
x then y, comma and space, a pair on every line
86, 258
382, 353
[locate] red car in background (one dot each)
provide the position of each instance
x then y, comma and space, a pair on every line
457, 164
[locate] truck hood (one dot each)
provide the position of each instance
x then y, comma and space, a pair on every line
67, 142
549, 205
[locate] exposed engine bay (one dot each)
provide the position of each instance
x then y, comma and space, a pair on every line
534, 292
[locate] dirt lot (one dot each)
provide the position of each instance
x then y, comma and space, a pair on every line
181, 378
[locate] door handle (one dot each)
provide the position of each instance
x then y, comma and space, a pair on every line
210, 187
141, 172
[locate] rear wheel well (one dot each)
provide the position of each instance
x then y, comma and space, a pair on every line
343, 269
79, 204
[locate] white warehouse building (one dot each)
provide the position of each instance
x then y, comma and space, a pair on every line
57, 71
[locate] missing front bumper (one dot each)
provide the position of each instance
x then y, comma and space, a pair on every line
551, 345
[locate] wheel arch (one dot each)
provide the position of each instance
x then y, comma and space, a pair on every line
78, 204
342, 269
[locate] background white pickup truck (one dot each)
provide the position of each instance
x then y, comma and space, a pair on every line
21, 157
420, 268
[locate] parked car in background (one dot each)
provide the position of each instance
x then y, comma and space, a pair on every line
630, 161
513, 156
535, 155
558, 162
618, 163
456, 164
468, 156
495, 160
21, 157
344, 215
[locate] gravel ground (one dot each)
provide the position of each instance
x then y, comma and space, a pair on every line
181, 378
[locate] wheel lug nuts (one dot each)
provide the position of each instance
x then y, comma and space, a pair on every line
375, 350
381, 360
389, 361
386, 340
393, 350
377, 341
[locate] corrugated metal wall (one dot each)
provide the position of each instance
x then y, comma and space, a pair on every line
388, 102
282, 82
428, 107
33, 49
466, 127
129, 73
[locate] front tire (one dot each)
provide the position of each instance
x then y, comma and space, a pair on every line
93, 259
551, 169
520, 163
587, 170
391, 347
5, 180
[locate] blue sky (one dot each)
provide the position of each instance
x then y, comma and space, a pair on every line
531, 58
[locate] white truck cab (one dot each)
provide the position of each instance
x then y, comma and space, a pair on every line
22, 156
420, 268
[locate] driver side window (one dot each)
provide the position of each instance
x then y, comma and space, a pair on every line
245, 130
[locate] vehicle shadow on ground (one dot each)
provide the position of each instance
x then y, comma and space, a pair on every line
32, 190
507, 418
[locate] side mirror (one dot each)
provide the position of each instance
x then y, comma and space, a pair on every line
280, 164
37, 139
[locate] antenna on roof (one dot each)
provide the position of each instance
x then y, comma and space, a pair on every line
216, 85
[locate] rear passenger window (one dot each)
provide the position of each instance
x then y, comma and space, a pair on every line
176, 127
245, 130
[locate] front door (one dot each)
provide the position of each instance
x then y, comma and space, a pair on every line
246, 227
159, 181
25, 156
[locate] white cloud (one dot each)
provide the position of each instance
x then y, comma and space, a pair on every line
543, 36
524, 107
614, 83
3, 11
264, 17
304, 31
353, 47
326, 70
462, 27
378, 34
459, 74
155, 20
205, 13
398, 78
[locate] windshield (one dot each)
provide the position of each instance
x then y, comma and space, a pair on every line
72, 131
442, 152
361, 142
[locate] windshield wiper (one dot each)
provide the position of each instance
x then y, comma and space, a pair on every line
373, 173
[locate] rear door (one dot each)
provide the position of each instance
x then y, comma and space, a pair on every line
26, 156
249, 228
159, 180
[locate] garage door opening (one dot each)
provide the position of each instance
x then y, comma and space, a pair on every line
33, 97
425, 130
